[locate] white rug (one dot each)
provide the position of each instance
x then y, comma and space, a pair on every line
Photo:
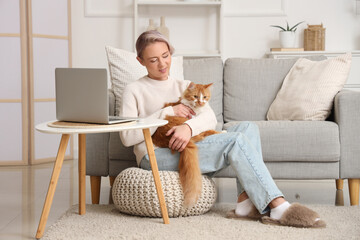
105, 222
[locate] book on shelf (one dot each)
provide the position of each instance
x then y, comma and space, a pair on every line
286, 49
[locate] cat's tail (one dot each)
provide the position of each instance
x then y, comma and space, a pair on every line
190, 174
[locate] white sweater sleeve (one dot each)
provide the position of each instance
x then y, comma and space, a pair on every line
204, 121
129, 109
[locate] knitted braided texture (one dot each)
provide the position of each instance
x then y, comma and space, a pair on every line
134, 193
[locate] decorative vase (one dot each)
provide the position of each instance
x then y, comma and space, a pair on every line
163, 29
151, 25
287, 39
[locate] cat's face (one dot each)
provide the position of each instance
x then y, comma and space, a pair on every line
197, 95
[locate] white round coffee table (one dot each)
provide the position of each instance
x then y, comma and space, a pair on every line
82, 130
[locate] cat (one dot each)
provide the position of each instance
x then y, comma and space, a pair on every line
195, 96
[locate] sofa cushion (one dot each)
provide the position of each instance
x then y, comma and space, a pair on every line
298, 141
208, 70
251, 85
308, 90
293, 170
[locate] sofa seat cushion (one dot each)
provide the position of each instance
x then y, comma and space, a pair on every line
134, 193
298, 141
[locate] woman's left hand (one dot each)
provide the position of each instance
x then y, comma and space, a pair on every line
180, 138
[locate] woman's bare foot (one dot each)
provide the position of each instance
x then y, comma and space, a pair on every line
243, 196
276, 202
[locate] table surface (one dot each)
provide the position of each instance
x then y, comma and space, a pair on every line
140, 124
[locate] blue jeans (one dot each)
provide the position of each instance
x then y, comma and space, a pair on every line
239, 148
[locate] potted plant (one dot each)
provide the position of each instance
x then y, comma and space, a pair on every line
287, 35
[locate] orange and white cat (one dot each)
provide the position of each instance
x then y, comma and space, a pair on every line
196, 96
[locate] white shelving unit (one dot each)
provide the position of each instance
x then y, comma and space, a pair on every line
183, 3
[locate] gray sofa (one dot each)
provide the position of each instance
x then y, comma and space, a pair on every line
243, 91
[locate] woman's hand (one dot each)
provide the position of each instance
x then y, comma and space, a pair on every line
181, 110
180, 138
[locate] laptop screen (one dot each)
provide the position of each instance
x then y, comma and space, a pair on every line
81, 95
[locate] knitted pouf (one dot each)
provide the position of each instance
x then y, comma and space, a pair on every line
134, 193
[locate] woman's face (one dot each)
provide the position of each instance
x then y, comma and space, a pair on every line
156, 58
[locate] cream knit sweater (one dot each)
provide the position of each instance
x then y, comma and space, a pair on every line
146, 97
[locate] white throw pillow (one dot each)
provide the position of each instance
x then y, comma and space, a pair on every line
124, 69
309, 88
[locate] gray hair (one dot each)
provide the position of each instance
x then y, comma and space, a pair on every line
150, 37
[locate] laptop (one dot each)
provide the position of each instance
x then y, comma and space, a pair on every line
82, 96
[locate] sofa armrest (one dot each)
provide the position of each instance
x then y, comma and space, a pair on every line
347, 116
97, 154
111, 102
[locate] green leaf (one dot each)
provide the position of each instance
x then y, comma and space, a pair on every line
276, 26
291, 29
288, 28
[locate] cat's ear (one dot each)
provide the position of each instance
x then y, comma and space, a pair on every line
191, 85
208, 85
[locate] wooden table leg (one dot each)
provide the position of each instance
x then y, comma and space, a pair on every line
155, 172
52, 185
82, 173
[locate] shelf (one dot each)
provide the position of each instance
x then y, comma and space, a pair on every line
180, 3
213, 4
307, 53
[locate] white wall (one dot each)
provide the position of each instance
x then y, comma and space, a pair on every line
246, 31
256, 37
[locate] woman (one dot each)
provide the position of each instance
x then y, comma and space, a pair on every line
258, 195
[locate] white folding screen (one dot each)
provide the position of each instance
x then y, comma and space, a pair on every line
49, 41
35, 38
13, 84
